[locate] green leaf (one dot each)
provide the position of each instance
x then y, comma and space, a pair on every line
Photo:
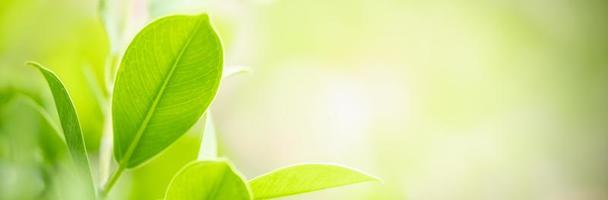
304, 178
71, 128
167, 79
208, 180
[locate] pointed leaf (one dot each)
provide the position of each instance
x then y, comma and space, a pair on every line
235, 71
210, 180
304, 178
208, 148
167, 79
71, 127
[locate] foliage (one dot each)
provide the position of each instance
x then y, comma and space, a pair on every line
182, 73
71, 128
166, 81
304, 178
208, 180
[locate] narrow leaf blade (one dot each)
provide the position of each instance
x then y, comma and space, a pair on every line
71, 127
210, 180
168, 77
208, 148
235, 71
304, 178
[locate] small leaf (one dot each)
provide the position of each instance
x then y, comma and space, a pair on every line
167, 79
53, 146
304, 178
46, 118
208, 148
5, 95
71, 127
208, 180
235, 71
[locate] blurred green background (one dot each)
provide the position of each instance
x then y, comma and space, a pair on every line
469, 99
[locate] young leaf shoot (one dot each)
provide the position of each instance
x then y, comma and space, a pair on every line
71, 128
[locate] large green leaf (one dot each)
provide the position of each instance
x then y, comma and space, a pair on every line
304, 178
71, 128
208, 180
169, 75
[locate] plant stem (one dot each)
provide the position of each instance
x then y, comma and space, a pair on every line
105, 150
106, 189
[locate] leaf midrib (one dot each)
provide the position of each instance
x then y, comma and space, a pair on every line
214, 190
159, 94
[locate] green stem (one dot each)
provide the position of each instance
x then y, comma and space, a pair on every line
105, 150
108, 187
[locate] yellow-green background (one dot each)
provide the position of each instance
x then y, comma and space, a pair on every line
458, 99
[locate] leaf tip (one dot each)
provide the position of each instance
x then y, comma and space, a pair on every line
32, 64
39, 67
369, 177
372, 178
235, 71
204, 16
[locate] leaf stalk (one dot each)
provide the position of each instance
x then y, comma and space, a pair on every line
113, 179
